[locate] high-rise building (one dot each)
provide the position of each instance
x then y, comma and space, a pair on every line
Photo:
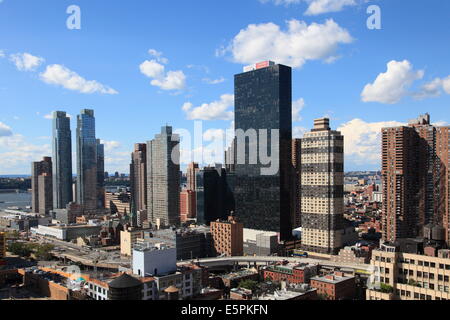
263, 108
296, 182
322, 189
41, 185
100, 175
138, 179
188, 206
62, 160
192, 171
415, 173
86, 160
211, 195
163, 183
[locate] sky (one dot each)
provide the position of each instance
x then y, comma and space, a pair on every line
142, 64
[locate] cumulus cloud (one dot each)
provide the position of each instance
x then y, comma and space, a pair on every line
26, 61
111, 145
297, 107
5, 131
390, 87
61, 76
155, 70
434, 88
16, 154
298, 132
216, 110
294, 47
49, 116
363, 140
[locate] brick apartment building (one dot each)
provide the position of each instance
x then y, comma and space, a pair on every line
291, 273
335, 286
228, 237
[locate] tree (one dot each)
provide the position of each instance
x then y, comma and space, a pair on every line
20, 249
43, 252
385, 288
249, 285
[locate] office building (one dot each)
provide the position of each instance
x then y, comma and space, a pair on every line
62, 160
228, 237
41, 185
138, 179
415, 173
410, 275
322, 190
192, 171
86, 160
163, 183
100, 175
211, 195
263, 111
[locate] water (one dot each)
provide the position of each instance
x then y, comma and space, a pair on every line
20, 200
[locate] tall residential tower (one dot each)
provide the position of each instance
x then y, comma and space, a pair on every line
62, 160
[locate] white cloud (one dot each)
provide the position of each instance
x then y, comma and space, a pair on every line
216, 110
50, 116
158, 55
363, 140
434, 88
294, 47
390, 87
214, 81
16, 154
172, 80
298, 132
297, 107
5, 131
316, 7
59, 75
26, 61
111, 145
2, 54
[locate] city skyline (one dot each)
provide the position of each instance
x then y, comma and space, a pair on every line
198, 83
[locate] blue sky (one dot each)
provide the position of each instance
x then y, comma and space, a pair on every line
362, 79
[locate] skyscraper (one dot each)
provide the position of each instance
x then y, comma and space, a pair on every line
100, 175
415, 173
138, 178
163, 178
41, 184
296, 182
86, 160
62, 160
211, 195
263, 102
192, 171
322, 189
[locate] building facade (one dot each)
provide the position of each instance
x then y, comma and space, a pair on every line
86, 160
415, 173
100, 175
138, 177
62, 160
163, 181
263, 108
41, 185
228, 237
322, 189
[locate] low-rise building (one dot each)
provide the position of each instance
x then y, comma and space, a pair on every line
232, 280
154, 260
409, 276
291, 272
260, 243
66, 232
335, 286
2, 246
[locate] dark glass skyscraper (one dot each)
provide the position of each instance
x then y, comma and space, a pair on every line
62, 160
86, 160
263, 101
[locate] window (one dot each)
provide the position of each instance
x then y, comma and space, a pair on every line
419, 274
431, 276
440, 277
420, 263
433, 265
426, 264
